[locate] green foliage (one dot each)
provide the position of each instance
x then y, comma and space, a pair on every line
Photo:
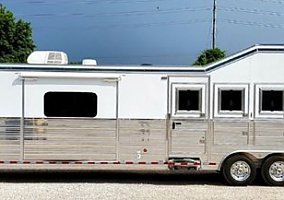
210, 55
75, 63
16, 41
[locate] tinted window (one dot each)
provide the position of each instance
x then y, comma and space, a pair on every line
231, 100
70, 104
189, 100
272, 101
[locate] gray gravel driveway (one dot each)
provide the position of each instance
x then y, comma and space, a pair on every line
126, 185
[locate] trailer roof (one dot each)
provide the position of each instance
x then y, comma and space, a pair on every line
278, 48
258, 48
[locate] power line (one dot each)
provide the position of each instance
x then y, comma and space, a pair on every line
251, 11
253, 23
122, 13
122, 1
156, 24
137, 25
88, 2
270, 1
266, 1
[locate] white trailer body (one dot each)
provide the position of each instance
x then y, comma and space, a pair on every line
227, 116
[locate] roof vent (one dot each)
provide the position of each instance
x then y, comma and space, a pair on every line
48, 57
89, 62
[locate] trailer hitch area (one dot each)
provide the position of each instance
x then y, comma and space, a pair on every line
184, 164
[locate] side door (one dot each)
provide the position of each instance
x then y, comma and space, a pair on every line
188, 116
269, 115
70, 118
231, 123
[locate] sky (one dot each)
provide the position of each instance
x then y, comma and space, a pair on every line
158, 32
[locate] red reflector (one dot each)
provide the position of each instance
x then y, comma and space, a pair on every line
1, 162
78, 162
154, 163
129, 163
116, 163
104, 163
26, 162
91, 163
141, 163
65, 162
13, 162
211, 163
39, 162
52, 162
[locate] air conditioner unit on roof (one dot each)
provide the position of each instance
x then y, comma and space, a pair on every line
48, 57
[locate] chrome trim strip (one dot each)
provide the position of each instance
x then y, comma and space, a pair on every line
22, 128
117, 121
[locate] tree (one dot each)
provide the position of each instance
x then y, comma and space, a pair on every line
16, 41
75, 63
209, 55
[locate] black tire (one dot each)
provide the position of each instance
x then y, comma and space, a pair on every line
239, 170
272, 171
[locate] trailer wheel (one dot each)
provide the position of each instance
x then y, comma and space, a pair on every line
272, 171
239, 170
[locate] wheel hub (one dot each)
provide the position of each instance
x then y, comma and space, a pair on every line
240, 171
276, 171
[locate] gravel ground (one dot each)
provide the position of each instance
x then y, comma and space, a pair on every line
126, 185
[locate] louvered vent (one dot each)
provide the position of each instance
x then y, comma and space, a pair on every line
54, 58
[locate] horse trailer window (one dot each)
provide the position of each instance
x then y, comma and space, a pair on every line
271, 100
70, 104
231, 100
189, 100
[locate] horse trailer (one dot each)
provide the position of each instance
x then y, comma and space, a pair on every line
226, 116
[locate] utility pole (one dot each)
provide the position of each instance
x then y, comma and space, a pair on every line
214, 26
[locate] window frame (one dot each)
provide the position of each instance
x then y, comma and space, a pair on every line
230, 111
244, 88
188, 113
178, 98
259, 113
